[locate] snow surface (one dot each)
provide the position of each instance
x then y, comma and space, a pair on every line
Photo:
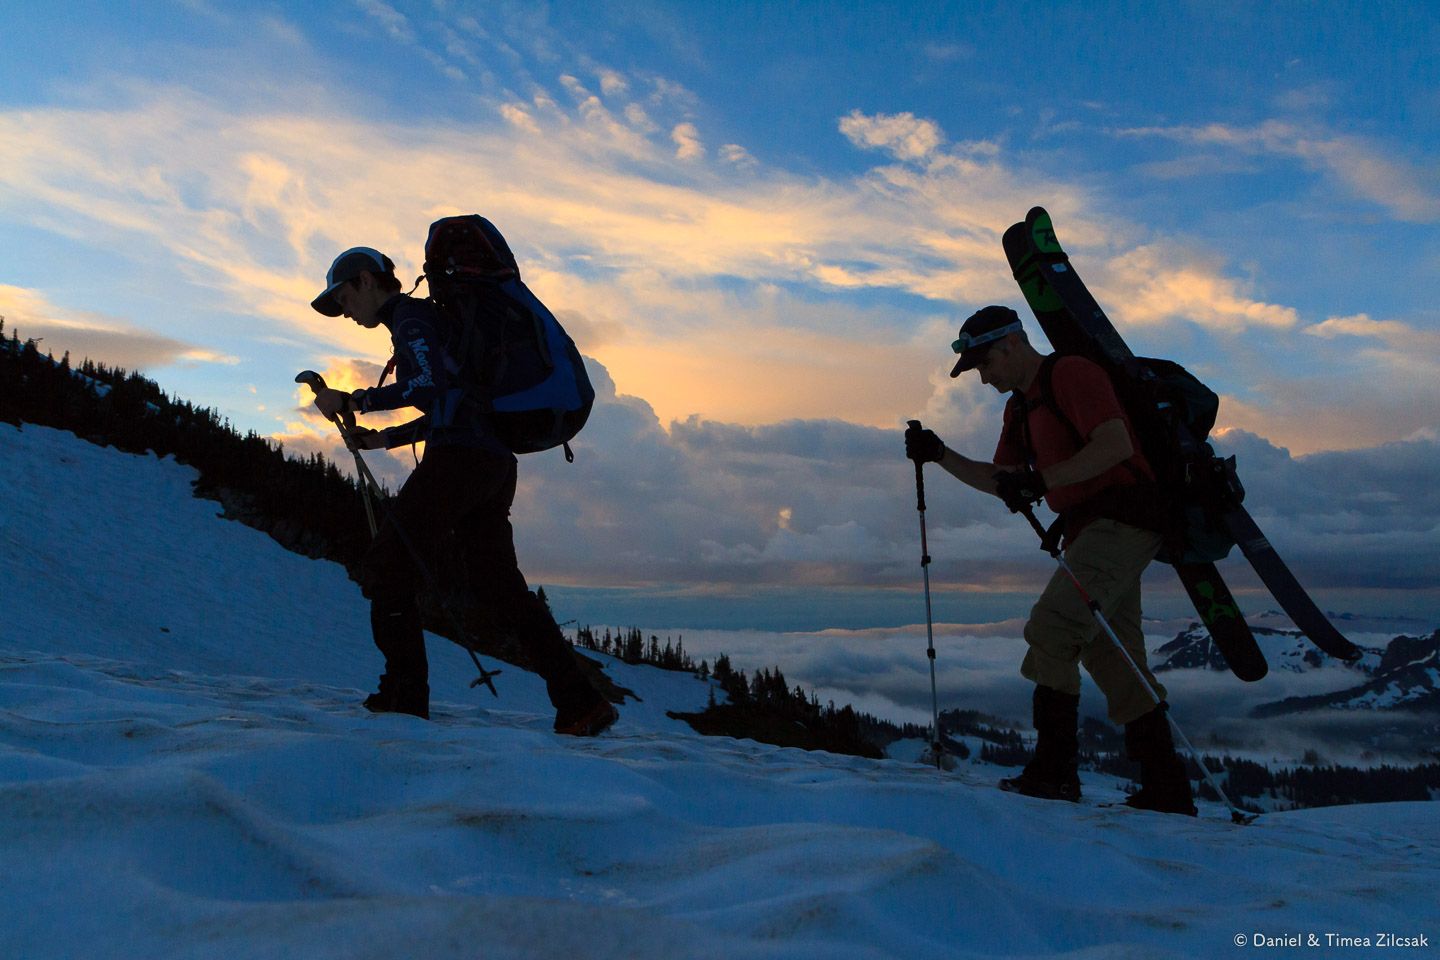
185, 771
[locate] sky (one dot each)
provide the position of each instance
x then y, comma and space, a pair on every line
763, 224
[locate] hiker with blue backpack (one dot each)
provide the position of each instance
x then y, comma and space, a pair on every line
493, 374
1067, 439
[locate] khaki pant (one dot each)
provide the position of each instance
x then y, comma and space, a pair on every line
1108, 557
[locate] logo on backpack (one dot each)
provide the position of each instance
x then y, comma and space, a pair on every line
514, 353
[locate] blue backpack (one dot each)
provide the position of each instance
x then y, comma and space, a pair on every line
522, 364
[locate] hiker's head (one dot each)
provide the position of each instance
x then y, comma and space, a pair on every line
360, 280
993, 342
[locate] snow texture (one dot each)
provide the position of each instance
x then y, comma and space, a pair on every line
185, 771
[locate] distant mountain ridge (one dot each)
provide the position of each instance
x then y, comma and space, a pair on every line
1407, 678
1287, 650
1403, 675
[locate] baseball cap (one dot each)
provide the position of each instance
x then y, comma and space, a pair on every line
348, 266
980, 332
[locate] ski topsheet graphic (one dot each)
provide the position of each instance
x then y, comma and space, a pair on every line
1074, 323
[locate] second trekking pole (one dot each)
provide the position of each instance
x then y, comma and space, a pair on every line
369, 486
936, 751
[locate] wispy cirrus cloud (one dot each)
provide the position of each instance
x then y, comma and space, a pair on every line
1411, 193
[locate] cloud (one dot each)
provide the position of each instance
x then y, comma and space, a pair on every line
613, 83
1161, 282
1394, 334
687, 142
1411, 194
738, 155
396, 24
518, 116
901, 134
31, 316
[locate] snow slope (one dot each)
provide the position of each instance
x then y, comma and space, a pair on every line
185, 771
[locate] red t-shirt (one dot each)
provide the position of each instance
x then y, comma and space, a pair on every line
1085, 394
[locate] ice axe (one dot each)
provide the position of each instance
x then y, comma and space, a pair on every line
937, 752
368, 485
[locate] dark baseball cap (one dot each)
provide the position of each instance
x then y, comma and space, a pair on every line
348, 266
979, 333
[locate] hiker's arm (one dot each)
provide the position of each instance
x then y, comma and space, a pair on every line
427, 378
1109, 446
976, 473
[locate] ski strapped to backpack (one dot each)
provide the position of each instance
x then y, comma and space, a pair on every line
527, 374
1210, 492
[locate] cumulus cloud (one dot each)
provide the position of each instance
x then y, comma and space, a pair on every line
518, 116
902, 134
613, 83
687, 142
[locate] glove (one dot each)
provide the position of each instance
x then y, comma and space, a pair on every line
367, 439
1020, 488
922, 445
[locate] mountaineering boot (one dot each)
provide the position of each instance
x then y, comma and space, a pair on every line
404, 686
1164, 784
580, 710
1054, 772
400, 696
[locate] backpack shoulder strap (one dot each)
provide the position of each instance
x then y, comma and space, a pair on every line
1020, 409
1046, 379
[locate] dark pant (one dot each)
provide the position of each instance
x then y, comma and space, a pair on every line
467, 492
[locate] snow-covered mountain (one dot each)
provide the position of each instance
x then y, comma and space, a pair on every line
185, 771
1406, 678
1404, 674
1284, 649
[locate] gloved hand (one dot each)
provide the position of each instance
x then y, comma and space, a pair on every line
922, 445
367, 439
1020, 488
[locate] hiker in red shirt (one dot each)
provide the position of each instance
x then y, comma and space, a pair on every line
1067, 438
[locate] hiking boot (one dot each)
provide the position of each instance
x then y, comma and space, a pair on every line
589, 720
1034, 784
1053, 774
1164, 783
400, 696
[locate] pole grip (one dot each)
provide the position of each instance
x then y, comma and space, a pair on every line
919, 473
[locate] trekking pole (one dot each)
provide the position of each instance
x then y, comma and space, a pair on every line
317, 383
368, 486
936, 749
1236, 814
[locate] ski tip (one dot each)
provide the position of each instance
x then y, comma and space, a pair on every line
1243, 819
1250, 673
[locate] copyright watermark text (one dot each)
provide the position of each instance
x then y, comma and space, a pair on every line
1385, 939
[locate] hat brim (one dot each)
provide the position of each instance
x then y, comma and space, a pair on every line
325, 304
969, 360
